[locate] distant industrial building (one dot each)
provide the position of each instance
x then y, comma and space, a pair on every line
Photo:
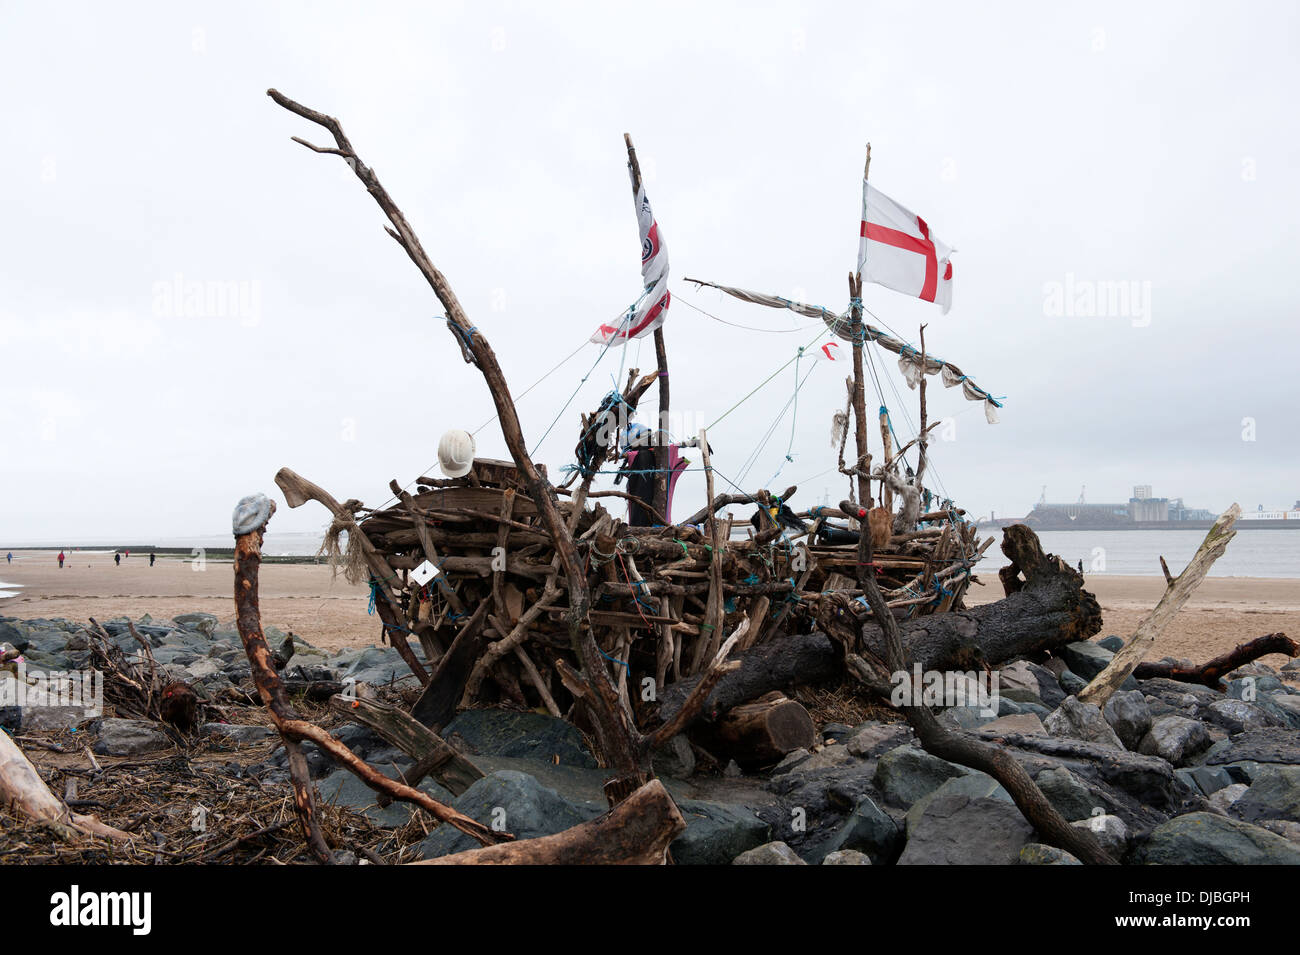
1142, 509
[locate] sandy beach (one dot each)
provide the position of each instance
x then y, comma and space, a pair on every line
331, 613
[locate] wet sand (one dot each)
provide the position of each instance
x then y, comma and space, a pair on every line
331, 613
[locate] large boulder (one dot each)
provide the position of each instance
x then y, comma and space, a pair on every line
958, 830
1085, 658
1129, 716
871, 830
510, 801
1108, 830
717, 833
119, 737
1206, 838
1035, 853
1274, 794
1237, 716
1084, 721
204, 623
525, 735
1175, 739
1067, 793
906, 773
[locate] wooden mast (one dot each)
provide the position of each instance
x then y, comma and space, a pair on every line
662, 457
859, 379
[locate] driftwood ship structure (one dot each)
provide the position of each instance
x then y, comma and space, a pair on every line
644, 631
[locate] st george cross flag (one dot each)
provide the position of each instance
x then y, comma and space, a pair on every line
651, 308
896, 250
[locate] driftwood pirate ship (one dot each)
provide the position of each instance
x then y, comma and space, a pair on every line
468, 567
644, 630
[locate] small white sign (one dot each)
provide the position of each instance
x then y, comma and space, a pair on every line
424, 573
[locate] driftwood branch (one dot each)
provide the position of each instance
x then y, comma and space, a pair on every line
637, 831
294, 730
1212, 674
23, 790
1105, 683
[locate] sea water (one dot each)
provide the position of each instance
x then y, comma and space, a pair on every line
1268, 552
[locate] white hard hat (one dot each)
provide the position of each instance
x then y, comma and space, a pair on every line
456, 453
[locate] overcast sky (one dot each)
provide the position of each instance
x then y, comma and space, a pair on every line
1049, 143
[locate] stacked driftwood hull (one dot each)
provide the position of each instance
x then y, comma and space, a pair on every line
494, 619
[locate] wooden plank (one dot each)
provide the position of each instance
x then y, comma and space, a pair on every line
437, 704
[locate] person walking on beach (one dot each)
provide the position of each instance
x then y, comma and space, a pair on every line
117, 558
151, 558
60, 560
9, 557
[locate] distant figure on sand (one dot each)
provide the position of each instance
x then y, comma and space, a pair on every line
10, 557
117, 558
151, 558
60, 560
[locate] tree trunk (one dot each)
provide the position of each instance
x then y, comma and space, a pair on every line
760, 733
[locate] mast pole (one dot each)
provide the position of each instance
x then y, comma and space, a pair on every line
859, 379
921, 441
660, 502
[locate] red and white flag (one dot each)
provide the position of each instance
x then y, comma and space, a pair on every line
652, 308
896, 250
831, 351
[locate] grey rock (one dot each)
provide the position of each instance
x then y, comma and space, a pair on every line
716, 833
871, 830
524, 735
1068, 794
1206, 838
906, 773
1085, 658
1035, 853
1205, 779
846, 857
1282, 827
1259, 746
236, 733
1175, 739
1108, 830
1081, 721
1112, 643
675, 759
1274, 794
204, 623
1236, 716
1025, 724
958, 830
343, 788
873, 739
1223, 798
837, 731
770, 853
975, 786
1129, 716
119, 737
514, 801
1072, 683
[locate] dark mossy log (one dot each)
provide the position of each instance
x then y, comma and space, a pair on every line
433, 755
760, 733
637, 831
1046, 608
1211, 674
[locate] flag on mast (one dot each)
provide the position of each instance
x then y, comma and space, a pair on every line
651, 308
897, 250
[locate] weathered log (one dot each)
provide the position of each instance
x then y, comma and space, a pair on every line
1211, 674
760, 733
437, 703
23, 790
637, 831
